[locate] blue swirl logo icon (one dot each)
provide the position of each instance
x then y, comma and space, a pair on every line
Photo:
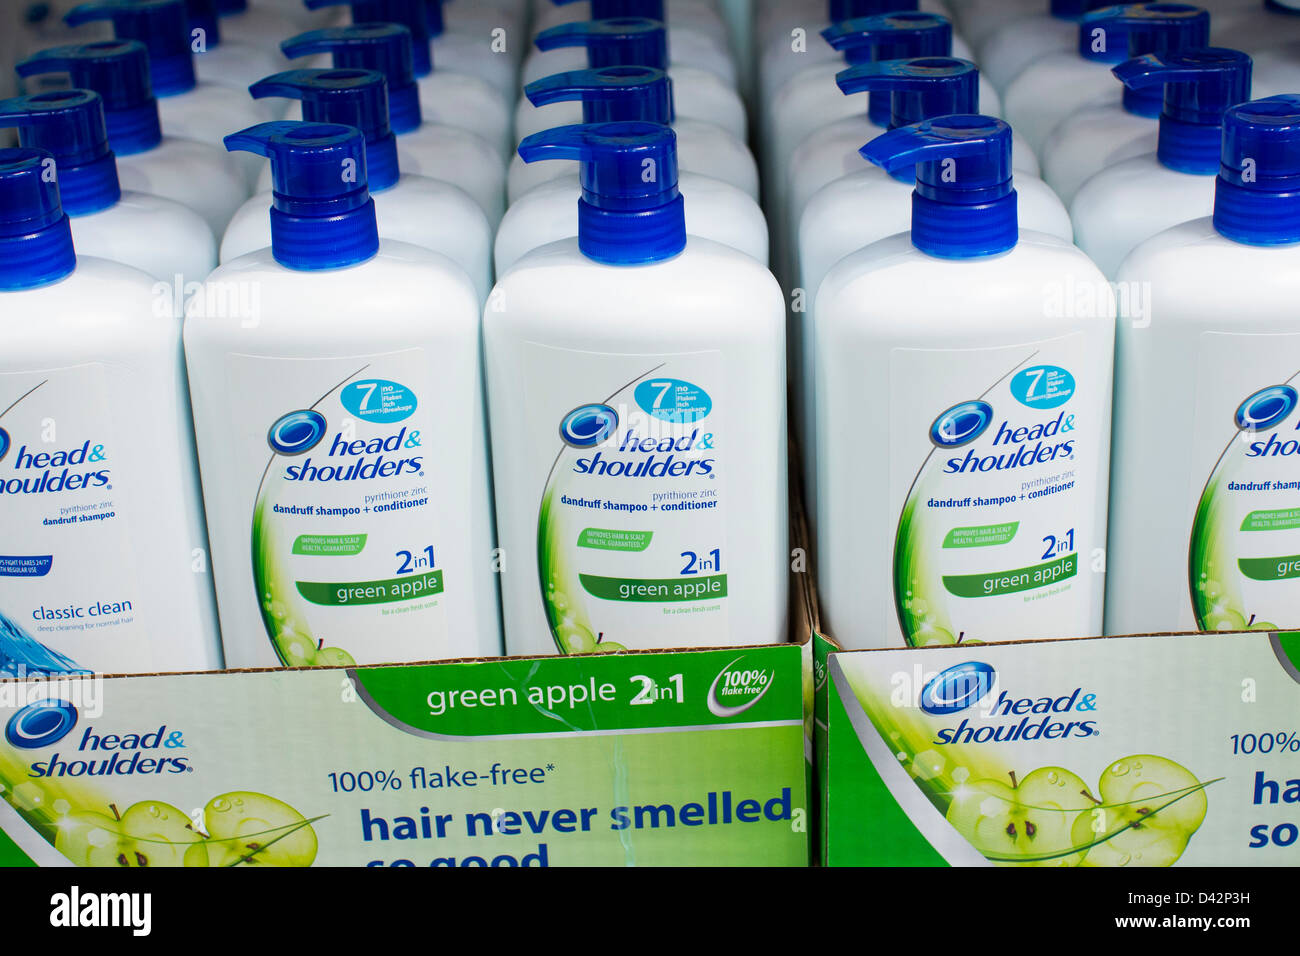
41, 724
957, 688
296, 433
1266, 408
5, 442
961, 424
588, 426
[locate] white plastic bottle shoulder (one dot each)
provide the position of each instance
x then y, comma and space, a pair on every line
168, 241
963, 414
105, 554
715, 210
1133, 200
477, 40
320, 392
1051, 29
223, 60
1203, 528
636, 386
425, 212
1094, 139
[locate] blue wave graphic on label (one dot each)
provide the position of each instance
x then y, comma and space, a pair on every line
21, 655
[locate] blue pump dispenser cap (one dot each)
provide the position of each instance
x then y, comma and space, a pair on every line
408, 13
605, 9
349, 98
964, 205
203, 16
35, 235
69, 124
625, 217
382, 47
1114, 34
1073, 9
434, 18
918, 88
856, 9
229, 8
612, 94
161, 25
619, 41
1257, 193
322, 216
118, 70
1199, 87
892, 36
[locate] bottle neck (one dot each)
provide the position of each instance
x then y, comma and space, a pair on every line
1189, 147
1256, 217
318, 243
950, 231
135, 130
632, 237
38, 258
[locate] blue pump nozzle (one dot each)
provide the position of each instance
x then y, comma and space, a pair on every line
69, 124
612, 94
408, 13
349, 98
382, 47
605, 9
161, 25
620, 41
1117, 33
1257, 194
964, 205
35, 235
631, 211
918, 88
203, 16
893, 36
322, 216
1199, 87
856, 9
118, 70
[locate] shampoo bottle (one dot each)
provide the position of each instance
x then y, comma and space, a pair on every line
195, 174
338, 405
963, 412
636, 380
633, 41
437, 149
1206, 398
158, 236
105, 565
222, 61
630, 94
1131, 201
472, 48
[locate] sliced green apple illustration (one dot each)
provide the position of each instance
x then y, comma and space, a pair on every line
148, 834
1149, 808
1022, 823
246, 829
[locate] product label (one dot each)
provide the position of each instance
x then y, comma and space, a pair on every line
1047, 754
348, 561
996, 492
632, 531
1244, 550
69, 595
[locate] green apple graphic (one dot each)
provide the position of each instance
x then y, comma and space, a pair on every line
1148, 811
247, 829
147, 834
1023, 823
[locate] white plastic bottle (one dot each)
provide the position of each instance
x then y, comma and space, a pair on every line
195, 174
632, 41
221, 60
104, 564
1090, 139
160, 237
478, 40
963, 413
636, 382
1259, 25
1052, 28
1133, 200
688, 45
448, 96
416, 209
856, 210
1056, 85
715, 210
1206, 396
188, 109
435, 149
630, 94
323, 372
